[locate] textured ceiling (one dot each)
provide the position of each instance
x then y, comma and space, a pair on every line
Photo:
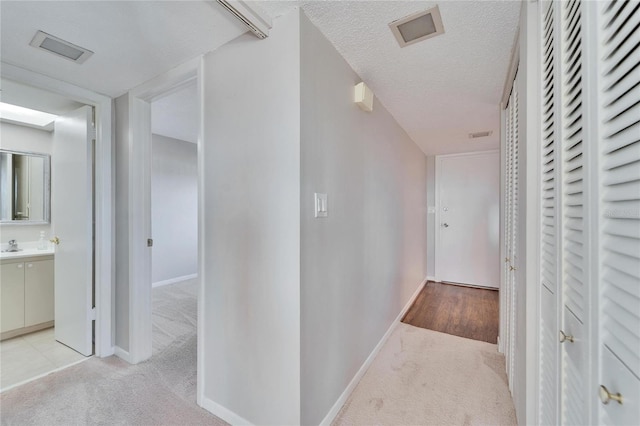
133, 41
176, 115
439, 90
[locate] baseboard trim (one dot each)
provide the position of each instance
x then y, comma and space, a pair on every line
434, 279
333, 412
26, 330
223, 412
174, 280
121, 353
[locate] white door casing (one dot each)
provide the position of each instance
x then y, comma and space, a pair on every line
467, 218
103, 193
72, 217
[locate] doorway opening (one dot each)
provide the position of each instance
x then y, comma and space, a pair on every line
158, 231
47, 227
174, 224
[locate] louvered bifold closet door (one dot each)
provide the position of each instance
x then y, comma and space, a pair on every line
619, 23
575, 249
513, 254
505, 291
549, 352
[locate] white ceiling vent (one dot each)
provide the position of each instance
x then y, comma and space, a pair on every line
417, 27
60, 47
480, 134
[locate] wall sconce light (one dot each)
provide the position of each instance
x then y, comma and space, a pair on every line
363, 97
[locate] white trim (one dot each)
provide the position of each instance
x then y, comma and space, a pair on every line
200, 364
140, 322
434, 279
223, 413
438, 228
174, 280
514, 62
502, 329
530, 101
104, 207
39, 376
121, 353
335, 409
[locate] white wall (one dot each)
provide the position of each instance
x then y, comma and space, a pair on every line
21, 138
174, 208
361, 264
251, 273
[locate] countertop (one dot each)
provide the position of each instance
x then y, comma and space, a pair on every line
27, 252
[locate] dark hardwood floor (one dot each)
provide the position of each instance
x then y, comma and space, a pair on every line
462, 311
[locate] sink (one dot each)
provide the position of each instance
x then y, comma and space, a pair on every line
26, 251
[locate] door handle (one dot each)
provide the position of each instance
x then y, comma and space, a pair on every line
55, 240
445, 225
565, 337
606, 396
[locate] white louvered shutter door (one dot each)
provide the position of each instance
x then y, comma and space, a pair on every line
508, 229
575, 250
513, 255
619, 25
548, 389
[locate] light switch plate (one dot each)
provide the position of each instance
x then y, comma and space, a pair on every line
321, 208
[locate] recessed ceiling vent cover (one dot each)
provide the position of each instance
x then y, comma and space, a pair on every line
60, 47
417, 27
480, 134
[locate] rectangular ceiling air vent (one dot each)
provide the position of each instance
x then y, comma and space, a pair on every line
480, 134
417, 27
60, 47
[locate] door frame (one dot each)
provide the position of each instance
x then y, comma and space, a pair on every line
438, 169
103, 187
140, 303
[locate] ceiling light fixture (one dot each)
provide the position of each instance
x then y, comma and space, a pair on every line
18, 114
417, 27
60, 47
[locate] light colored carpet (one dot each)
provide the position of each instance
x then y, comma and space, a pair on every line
161, 391
423, 377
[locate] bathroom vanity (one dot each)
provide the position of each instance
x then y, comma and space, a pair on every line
26, 291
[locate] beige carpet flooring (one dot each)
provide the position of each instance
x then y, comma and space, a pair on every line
420, 377
161, 391
423, 377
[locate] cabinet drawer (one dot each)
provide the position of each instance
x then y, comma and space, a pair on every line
619, 379
38, 292
11, 296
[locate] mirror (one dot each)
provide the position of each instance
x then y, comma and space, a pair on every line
24, 187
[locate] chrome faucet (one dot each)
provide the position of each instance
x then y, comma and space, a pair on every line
13, 246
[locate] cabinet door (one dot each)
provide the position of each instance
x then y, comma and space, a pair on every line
11, 296
38, 292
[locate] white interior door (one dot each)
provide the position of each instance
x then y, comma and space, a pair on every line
72, 217
468, 248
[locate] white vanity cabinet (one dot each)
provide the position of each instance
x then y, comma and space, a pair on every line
26, 295
11, 296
